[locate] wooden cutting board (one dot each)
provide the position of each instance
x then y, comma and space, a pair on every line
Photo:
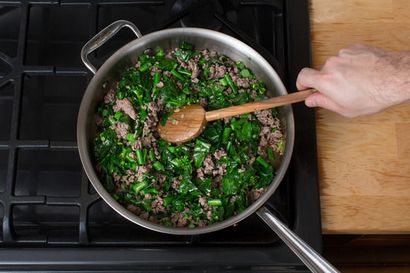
364, 163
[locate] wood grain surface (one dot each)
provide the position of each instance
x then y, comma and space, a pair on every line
364, 163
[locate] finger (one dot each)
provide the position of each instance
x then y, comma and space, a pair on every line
358, 47
320, 100
345, 52
353, 50
307, 78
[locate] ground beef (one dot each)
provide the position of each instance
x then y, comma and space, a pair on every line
270, 133
219, 71
234, 76
219, 154
216, 71
150, 124
156, 152
200, 173
207, 168
202, 223
116, 177
217, 182
179, 219
158, 205
179, 84
232, 199
193, 66
227, 120
228, 91
110, 96
154, 108
176, 182
265, 136
128, 179
170, 54
121, 129
147, 196
144, 215
153, 219
243, 82
251, 161
203, 102
205, 54
254, 194
182, 63
137, 145
134, 209
148, 140
253, 94
208, 164
211, 72
268, 139
209, 214
204, 203
161, 178
126, 106
220, 170
143, 170
154, 69
266, 118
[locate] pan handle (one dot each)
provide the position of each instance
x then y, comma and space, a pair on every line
306, 254
103, 36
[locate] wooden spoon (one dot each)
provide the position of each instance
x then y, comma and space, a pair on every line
189, 121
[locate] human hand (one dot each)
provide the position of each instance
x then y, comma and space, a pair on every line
361, 80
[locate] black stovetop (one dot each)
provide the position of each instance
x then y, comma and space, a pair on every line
52, 219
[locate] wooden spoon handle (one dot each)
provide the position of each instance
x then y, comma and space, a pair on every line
258, 105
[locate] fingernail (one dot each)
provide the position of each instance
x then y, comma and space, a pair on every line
310, 103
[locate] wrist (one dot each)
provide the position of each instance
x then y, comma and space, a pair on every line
393, 83
404, 73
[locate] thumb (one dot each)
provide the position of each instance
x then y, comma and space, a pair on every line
319, 100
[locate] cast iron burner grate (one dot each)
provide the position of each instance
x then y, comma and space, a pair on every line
46, 199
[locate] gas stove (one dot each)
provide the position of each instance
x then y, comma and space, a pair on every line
52, 219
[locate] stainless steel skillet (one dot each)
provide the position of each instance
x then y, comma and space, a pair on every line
203, 38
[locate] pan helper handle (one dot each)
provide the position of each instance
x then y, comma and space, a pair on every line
306, 254
103, 36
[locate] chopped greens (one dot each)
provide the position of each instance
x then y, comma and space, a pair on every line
201, 182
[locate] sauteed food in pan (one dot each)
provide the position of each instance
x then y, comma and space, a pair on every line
203, 181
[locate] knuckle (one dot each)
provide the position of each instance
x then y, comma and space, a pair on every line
303, 75
344, 52
341, 52
327, 79
331, 61
304, 71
